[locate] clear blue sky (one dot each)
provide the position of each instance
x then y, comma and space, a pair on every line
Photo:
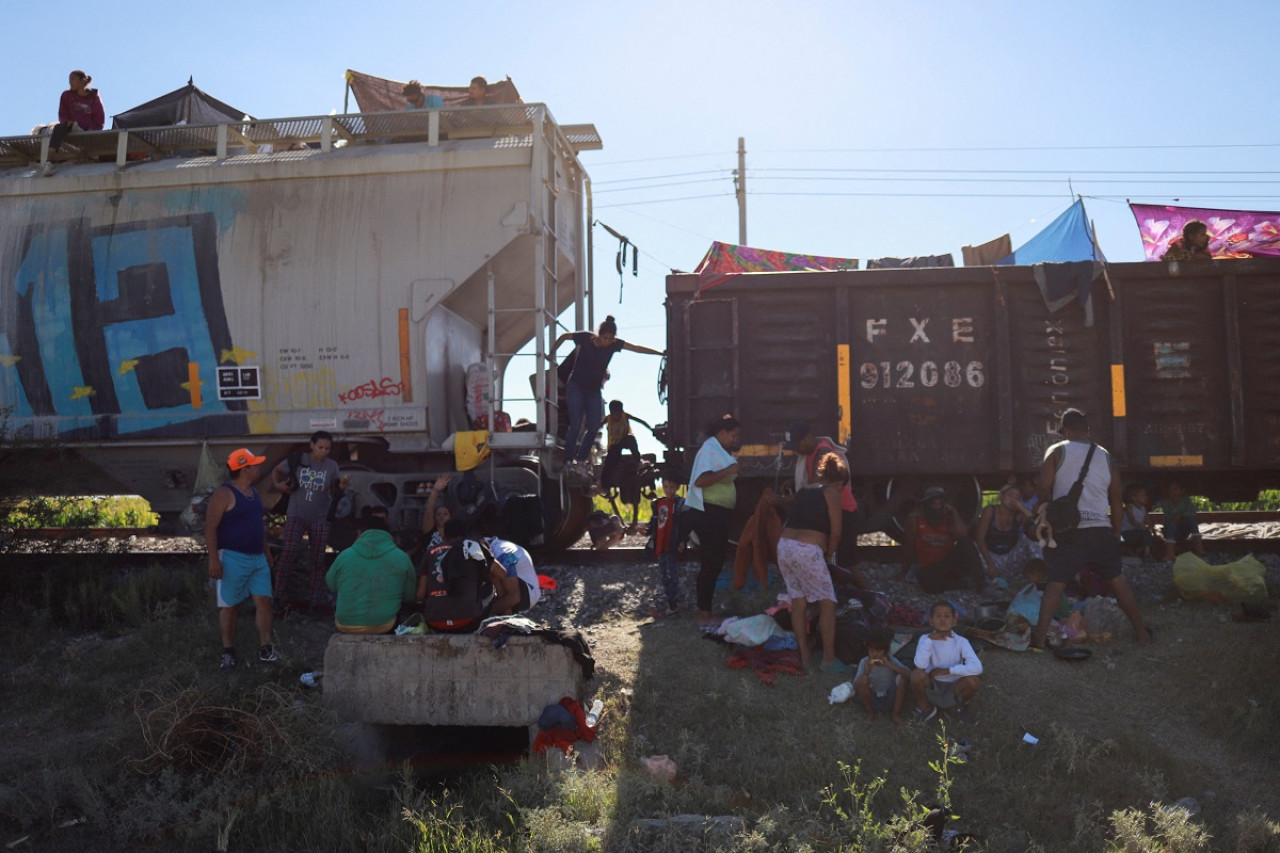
1017, 103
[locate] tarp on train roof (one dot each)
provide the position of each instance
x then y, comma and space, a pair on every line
1067, 238
1232, 233
187, 105
726, 260
380, 94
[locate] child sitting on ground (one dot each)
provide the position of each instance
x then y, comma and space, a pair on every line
1179, 521
947, 669
1137, 530
604, 529
668, 543
881, 681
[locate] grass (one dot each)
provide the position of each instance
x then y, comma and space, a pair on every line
131, 738
130, 511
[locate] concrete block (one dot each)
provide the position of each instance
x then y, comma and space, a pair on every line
446, 679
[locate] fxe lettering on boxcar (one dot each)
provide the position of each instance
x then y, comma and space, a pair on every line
961, 329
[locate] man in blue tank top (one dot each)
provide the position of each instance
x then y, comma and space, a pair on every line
239, 561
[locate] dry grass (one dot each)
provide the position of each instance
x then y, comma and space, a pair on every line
197, 760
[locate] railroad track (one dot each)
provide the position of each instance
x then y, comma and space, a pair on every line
1234, 533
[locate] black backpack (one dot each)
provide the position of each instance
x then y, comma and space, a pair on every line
521, 521
457, 584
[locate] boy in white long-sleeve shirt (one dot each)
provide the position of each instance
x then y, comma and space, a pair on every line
947, 669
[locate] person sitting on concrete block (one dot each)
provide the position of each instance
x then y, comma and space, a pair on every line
371, 579
457, 581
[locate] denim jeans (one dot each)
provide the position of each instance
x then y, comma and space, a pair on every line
669, 564
586, 413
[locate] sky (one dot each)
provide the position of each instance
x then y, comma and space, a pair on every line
871, 128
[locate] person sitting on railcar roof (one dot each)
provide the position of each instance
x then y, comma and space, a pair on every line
419, 100
1193, 245
78, 109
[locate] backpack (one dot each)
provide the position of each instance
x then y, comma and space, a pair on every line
520, 520
457, 583
470, 500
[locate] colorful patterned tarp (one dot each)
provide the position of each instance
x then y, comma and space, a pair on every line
725, 260
1232, 233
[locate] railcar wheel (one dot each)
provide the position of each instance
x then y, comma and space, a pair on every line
563, 532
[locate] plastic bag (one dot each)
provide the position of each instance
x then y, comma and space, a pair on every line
752, 631
840, 693
1103, 618
1243, 581
208, 477
660, 767
1027, 603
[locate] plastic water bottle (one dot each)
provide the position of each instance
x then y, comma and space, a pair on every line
593, 716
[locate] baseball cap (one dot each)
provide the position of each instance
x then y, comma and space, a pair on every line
934, 492
242, 458
1073, 418
795, 433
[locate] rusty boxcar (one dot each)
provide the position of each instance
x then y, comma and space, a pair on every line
958, 375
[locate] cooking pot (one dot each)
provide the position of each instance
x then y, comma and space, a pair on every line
990, 610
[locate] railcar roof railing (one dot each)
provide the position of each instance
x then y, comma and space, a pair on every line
224, 141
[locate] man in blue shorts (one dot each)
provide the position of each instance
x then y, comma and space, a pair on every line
239, 560
1095, 543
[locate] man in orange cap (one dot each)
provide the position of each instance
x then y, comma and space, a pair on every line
239, 560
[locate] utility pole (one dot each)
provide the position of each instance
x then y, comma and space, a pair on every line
740, 185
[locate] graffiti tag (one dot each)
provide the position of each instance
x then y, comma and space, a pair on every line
372, 389
375, 417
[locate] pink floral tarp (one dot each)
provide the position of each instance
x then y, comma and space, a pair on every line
725, 260
1232, 233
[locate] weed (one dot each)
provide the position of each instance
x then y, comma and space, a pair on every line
1072, 752
1165, 830
1254, 832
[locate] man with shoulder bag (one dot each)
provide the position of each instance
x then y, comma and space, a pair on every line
1077, 467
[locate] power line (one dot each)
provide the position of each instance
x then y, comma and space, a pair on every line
623, 207
975, 195
1018, 171
663, 200
659, 159
657, 186
1219, 145
662, 177
995, 180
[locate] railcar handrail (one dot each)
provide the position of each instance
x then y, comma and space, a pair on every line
326, 132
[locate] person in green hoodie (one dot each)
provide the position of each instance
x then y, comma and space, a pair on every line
371, 578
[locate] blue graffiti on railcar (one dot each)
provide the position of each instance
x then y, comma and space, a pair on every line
107, 321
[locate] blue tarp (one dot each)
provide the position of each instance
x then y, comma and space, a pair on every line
1066, 238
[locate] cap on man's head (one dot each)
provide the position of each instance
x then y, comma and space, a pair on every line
1073, 419
242, 458
934, 492
795, 434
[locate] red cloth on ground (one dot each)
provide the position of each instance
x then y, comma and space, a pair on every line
767, 664
758, 545
563, 738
